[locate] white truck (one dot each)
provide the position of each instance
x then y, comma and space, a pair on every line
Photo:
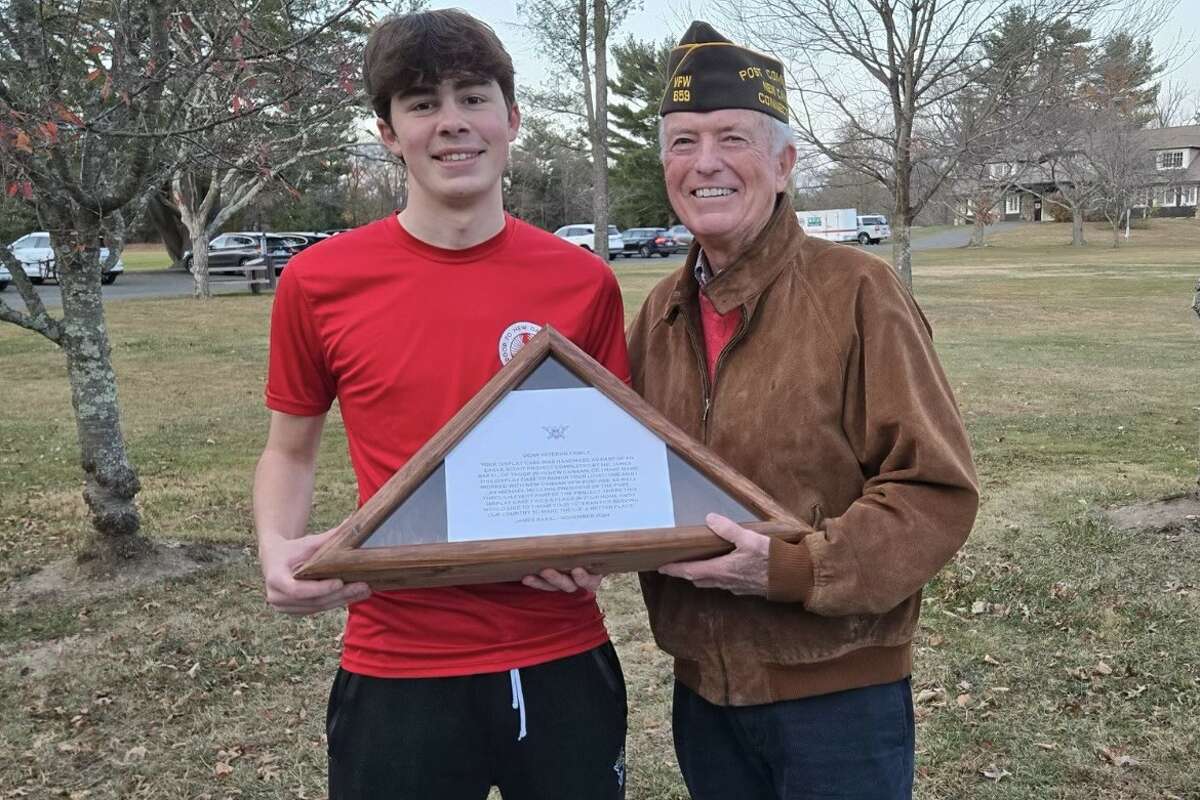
834, 224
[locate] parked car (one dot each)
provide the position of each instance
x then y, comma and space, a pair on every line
646, 242
682, 236
873, 229
304, 239
239, 248
5, 278
36, 255
584, 235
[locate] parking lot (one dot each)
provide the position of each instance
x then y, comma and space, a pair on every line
134, 284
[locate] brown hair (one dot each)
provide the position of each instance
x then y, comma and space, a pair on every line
423, 49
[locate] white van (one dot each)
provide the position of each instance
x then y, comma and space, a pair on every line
873, 229
834, 224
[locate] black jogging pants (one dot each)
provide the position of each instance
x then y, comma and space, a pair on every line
547, 732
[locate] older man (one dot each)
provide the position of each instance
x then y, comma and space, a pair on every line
807, 366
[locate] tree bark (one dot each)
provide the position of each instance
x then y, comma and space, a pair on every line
979, 231
110, 482
1077, 239
600, 129
902, 225
201, 288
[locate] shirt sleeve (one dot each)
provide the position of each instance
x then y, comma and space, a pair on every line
606, 342
920, 493
299, 380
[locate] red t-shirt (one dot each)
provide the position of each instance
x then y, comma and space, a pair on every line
403, 334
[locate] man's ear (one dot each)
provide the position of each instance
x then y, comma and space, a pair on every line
388, 136
514, 122
787, 162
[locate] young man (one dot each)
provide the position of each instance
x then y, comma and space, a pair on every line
442, 693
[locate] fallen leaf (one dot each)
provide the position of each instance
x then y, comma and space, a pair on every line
1115, 757
929, 695
1047, 745
987, 659
1102, 669
963, 700
994, 773
222, 769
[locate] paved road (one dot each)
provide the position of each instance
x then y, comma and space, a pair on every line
168, 283
157, 283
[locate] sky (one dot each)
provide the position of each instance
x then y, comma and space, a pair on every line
659, 19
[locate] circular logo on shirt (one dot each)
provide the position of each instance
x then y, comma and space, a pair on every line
515, 337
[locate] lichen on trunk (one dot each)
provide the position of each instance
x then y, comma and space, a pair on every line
110, 481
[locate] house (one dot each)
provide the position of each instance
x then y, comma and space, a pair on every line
1174, 190
1177, 169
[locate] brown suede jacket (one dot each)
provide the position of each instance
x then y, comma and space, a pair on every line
830, 397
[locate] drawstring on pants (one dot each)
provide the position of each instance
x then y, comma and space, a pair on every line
518, 698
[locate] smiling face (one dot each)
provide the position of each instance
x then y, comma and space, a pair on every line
454, 138
721, 175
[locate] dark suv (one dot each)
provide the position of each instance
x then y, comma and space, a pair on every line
646, 242
238, 249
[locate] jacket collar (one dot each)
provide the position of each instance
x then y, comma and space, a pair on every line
776, 245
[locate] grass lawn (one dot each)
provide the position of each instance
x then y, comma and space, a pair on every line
142, 257
1057, 656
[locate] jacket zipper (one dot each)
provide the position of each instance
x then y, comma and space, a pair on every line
738, 335
699, 351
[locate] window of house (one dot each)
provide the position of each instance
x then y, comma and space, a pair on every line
1187, 195
1012, 204
1171, 159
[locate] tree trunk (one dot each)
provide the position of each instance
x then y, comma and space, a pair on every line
979, 231
1077, 227
902, 228
600, 130
201, 289
110, 482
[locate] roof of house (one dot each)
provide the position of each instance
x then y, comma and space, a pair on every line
1172, 138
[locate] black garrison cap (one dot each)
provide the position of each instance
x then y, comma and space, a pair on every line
707, 72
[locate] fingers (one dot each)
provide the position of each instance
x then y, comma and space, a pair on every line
551, 580
291, 596
727, 529
586, 580
698, 571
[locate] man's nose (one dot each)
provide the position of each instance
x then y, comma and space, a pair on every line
451, 121
708, 157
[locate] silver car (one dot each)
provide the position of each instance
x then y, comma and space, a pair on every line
682, 236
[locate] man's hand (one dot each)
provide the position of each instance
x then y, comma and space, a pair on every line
551, 580
280, 558
744, 571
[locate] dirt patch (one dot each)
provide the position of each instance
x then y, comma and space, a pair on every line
66, 581
1174, 515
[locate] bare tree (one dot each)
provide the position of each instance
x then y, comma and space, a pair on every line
575, 33
877, 84
1124, 168
295, 73
92, 95
1174, 106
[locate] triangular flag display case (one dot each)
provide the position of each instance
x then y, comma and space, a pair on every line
555, 463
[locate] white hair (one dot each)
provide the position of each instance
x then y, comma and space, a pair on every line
778, 134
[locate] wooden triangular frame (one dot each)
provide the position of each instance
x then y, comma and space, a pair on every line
460, 563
